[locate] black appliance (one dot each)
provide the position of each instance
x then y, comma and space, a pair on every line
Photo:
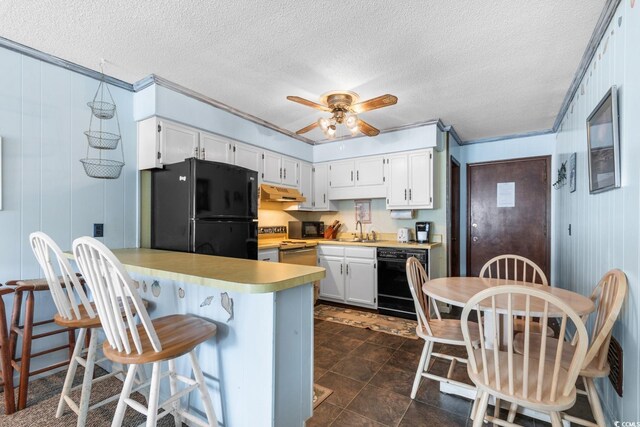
394, 296
205, 207
422, 231
306, 230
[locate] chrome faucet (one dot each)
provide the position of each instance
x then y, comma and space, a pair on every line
358, 222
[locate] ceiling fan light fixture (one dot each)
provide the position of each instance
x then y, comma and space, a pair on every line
351, 121
331, 131
324, 124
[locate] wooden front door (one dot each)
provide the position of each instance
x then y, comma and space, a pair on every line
509, 204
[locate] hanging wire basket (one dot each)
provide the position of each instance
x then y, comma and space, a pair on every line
102, 110
102, 168
102, 140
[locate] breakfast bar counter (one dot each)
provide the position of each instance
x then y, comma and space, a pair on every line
259, 367
231, 274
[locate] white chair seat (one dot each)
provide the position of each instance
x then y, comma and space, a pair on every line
446, 331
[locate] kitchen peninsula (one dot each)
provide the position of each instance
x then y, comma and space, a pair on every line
260, 368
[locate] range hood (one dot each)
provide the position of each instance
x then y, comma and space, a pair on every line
271, 193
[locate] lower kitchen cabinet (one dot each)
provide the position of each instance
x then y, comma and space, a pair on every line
351, 275
269, 255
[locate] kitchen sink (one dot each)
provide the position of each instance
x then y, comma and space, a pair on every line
350, 239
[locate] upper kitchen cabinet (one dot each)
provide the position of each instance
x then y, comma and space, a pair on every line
358, 178
314, 186
306, 185
410, 183
278, 169
215, 148
161, 142
247, 156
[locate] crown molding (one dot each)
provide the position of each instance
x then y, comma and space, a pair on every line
54, 60
604, 20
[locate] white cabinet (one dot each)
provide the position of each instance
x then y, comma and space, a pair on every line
289, 172
279, 170
360, 178
306, 185
341, 174
398, 187
351, 275
269, 255
161, 142
360, 278
332, 286
321, 200
215, 148
410, 183
247, 156
271, 167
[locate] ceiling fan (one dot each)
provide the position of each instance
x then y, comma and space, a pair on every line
344, 107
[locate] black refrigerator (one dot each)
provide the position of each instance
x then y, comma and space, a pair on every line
205, 207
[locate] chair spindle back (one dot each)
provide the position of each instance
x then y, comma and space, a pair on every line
514, 267
56, 267
114, 295
417, 276
499, 369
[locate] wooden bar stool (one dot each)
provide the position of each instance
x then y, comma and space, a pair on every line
5, 357
163, 339
74, 311
22, 364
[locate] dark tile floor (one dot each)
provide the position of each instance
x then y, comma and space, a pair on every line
371, 374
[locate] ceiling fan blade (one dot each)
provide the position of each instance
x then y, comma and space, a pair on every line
374, 103
308, 128
367, 129
308, 103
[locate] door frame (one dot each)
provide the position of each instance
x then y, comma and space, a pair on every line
548, 203
452, 160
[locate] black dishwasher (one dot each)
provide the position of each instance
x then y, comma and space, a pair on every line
394, 296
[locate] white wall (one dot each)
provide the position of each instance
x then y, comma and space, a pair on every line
606, 226
513, 148
402, 140
160, 101
43, 114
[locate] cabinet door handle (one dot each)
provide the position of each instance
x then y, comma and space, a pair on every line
347, 269
357, 175
351, 176
410, 194
280, 173
341, 269
203, 156
405, 194
196, 153
285, 173
324, 198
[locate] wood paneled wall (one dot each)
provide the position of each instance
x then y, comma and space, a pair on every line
43, 114
606, 227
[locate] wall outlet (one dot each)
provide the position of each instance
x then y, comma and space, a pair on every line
98, 230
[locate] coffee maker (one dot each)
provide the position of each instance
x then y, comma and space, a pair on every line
422, 231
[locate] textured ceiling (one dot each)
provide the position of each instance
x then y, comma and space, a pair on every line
488, 68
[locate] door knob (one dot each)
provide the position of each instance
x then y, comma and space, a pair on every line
474, 225
475, 238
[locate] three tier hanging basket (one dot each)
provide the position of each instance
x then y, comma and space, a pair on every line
99, 141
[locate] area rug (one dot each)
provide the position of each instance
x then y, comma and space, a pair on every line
362, 319
320, 394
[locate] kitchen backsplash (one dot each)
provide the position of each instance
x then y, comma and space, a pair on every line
381, 221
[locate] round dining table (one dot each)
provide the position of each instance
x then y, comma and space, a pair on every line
458, 290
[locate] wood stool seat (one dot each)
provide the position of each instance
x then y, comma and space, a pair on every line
36, 284
178, 335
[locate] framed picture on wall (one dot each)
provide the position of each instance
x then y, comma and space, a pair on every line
363, 211
604, 144
572, 173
